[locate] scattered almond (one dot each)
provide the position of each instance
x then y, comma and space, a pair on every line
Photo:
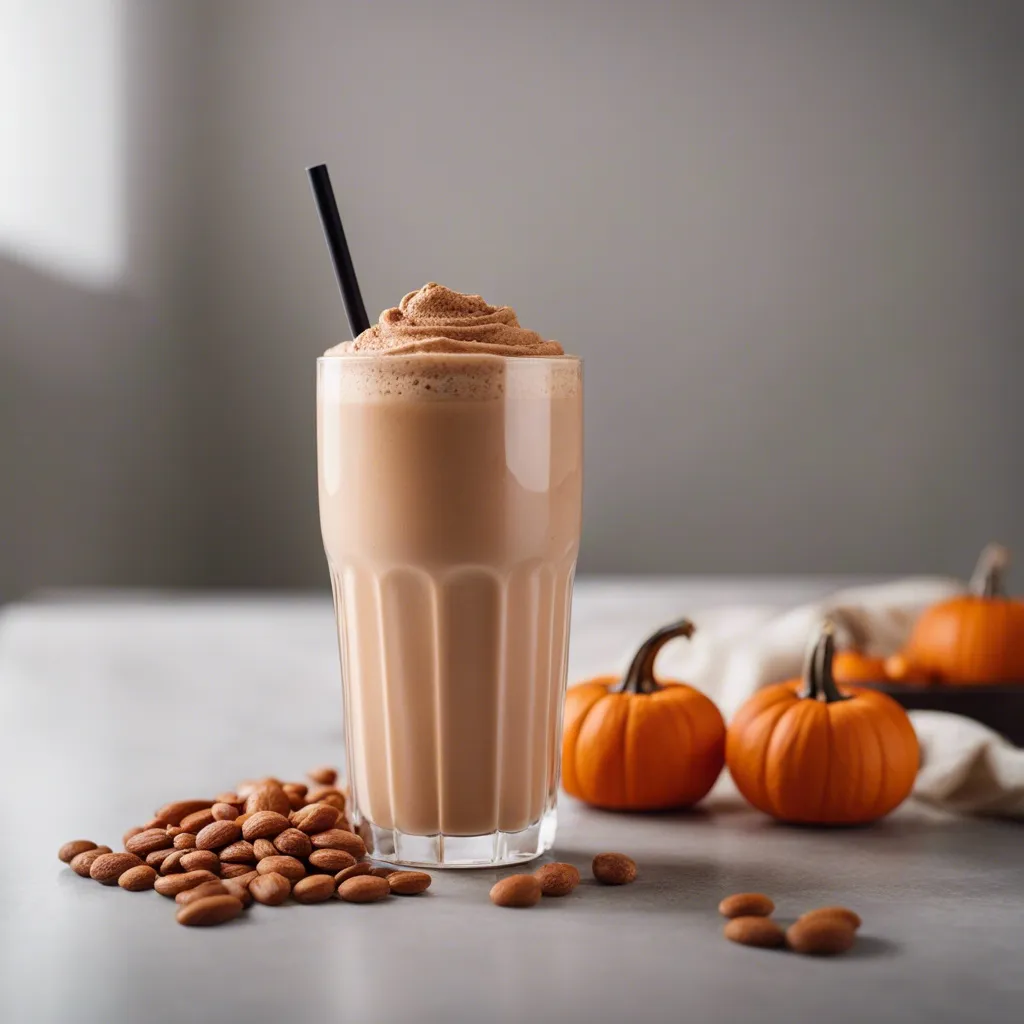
82, 863
339, 839
325, 775
820, 936
746, 904
198, 820
315, 818
173, 812
362, 868
313, 889
270, 889
241, 852
138, 878
290, 867
755, 931
331, 861
842, 913
195, 860
108, 867
146, 842
217, 835
293, 842
516, 891
212, 888
171, 885
264, 825
211, 910
69, 851
364, 889
409, 883
614, 869
268, 797
557, 879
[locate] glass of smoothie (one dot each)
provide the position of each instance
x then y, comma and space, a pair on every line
450, 460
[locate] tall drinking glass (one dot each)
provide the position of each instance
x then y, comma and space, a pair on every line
450, 507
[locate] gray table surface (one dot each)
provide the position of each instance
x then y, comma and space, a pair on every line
112, 705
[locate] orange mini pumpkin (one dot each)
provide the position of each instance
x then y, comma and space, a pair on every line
637, 744
810, 752
972, 639
853, 666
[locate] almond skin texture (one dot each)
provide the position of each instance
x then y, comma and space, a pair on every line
516, 891
138, 879
241, 852
82, 863
842, 913
265, 848
409, 883
199, 820
293, 843
224, 812
210, 910
755, 931
214, 888
171, 885
270, 889
313, 889
268, 798
339, 839
821, 936
289, 867
264, 825
196, 860
315, 818
364, 889
172, 813
325, 775
746, 904
146, 842
69, 851
110, 866
235, 870
362, 868
171, 864
217, 835
614, 869
185, 841
557, 879
331, 861
157, 858
239, 889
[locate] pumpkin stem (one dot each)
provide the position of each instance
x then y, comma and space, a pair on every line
640, 677
987, 580
819, 682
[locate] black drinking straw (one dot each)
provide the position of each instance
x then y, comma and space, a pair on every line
330, 219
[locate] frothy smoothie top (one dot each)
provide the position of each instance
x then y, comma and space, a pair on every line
436, 319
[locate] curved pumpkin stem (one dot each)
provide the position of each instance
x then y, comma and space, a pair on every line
819, 683
987, 580
640, 677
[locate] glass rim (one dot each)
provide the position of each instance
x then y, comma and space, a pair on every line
467, 357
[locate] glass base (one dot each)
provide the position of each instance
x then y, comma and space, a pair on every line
493, 850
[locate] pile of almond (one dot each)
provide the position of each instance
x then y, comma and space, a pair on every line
558, 879
266, 841
822, 932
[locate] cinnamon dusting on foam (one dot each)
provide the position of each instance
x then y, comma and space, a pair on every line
437, 320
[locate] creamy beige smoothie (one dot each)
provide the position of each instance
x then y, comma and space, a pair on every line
450, 470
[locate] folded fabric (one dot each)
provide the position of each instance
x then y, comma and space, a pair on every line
966, 767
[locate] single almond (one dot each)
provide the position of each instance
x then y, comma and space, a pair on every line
339, 839
614, 869
755, 931
157, 822
293, 842
325, 775
313, 889
265, 848
171, 885
239, 889
268, 798
328, 795
224, 812
214, 888
146, 842
315, 818
299, 788
382, 872
211, 910
820, 936
364, 889
229, 797
409, 883
185, 841
81, 863
173, 812
132, 832
843, 913
157, 858
331, 861
746, 904
270, 889
69, 851
198, 820
138, 878
290, 867
171, 864
217, 835
110, 866
174, 830
557, 878
264, 825
235, 870
238, 853
362, 868
195, 860
242, 818
516, 891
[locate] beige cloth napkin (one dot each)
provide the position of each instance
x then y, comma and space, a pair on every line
966, 767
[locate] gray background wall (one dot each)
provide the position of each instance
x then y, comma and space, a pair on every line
786, 237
